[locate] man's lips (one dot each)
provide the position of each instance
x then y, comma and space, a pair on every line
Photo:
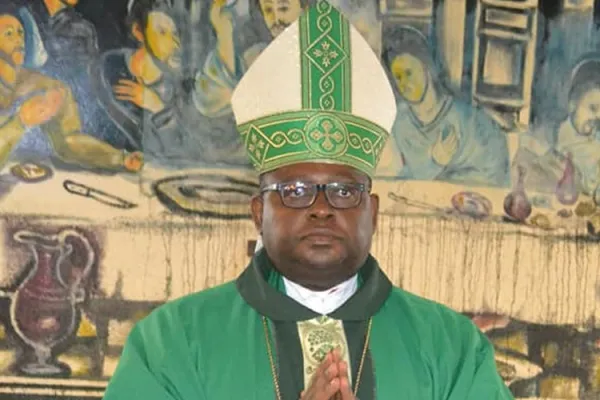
321, 235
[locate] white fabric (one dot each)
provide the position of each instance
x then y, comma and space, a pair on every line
259, 244
324, 302
273, 83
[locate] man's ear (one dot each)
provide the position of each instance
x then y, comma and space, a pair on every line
136, 30
256, 208
572, 106
374, 209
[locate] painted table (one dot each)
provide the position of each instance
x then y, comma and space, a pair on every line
163, 234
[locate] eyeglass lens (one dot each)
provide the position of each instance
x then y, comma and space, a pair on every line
339, 195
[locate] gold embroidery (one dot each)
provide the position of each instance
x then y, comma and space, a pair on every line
318, 337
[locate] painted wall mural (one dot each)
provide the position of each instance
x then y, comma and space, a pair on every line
123, 183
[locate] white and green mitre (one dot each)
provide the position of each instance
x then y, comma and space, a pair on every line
317, 93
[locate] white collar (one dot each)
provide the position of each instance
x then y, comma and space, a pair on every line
323, 302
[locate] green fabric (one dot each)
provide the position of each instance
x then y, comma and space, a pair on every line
211, 345
433, 351
323, 129
325, 59
313, 136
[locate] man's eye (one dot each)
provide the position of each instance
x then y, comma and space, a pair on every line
343, 192
295, 191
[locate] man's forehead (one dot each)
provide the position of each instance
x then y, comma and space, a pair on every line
9, 21
593, 92
160, 19
315, 171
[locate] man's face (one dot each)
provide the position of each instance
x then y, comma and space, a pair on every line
163, 39
279, 14
12, 40
586, 114
411, 77
319, 246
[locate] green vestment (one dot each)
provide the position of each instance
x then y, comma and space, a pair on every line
211, 345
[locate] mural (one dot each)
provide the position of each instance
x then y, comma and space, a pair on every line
124, 184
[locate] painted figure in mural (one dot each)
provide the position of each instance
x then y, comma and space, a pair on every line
224, 67
29, 100
137, 86
438, 136
577, 136
313, 316
65, 31
141, 89
71, 44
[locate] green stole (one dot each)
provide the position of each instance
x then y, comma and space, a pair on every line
261, 286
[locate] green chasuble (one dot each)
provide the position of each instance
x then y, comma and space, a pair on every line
212, 345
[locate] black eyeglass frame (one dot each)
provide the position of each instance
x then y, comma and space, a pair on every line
320, 187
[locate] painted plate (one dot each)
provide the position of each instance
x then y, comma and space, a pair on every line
472, 204
208, 195
31, 172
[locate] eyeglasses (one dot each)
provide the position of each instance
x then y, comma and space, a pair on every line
303, 195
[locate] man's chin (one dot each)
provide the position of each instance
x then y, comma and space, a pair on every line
276, 31
18, 60
323, 257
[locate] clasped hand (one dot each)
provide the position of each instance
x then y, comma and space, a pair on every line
330, 381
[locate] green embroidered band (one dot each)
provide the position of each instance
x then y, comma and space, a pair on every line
325, 59
293, 137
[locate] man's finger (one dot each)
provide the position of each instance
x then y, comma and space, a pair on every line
127, 82
337, 354
325, 381
327, 361
343, 368
124, 97
331, 388
345, 389
122, 89
123, 94
326, 393
323, 377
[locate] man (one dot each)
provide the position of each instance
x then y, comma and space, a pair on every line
544, 152
224, 66
141, 90
579, 134
313, 316
31, 100
71, 43
440, 137
65, 32
134, 85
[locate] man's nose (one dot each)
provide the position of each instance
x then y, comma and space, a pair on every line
278, 17
321, 207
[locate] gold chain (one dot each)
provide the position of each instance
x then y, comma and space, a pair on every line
272, 361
